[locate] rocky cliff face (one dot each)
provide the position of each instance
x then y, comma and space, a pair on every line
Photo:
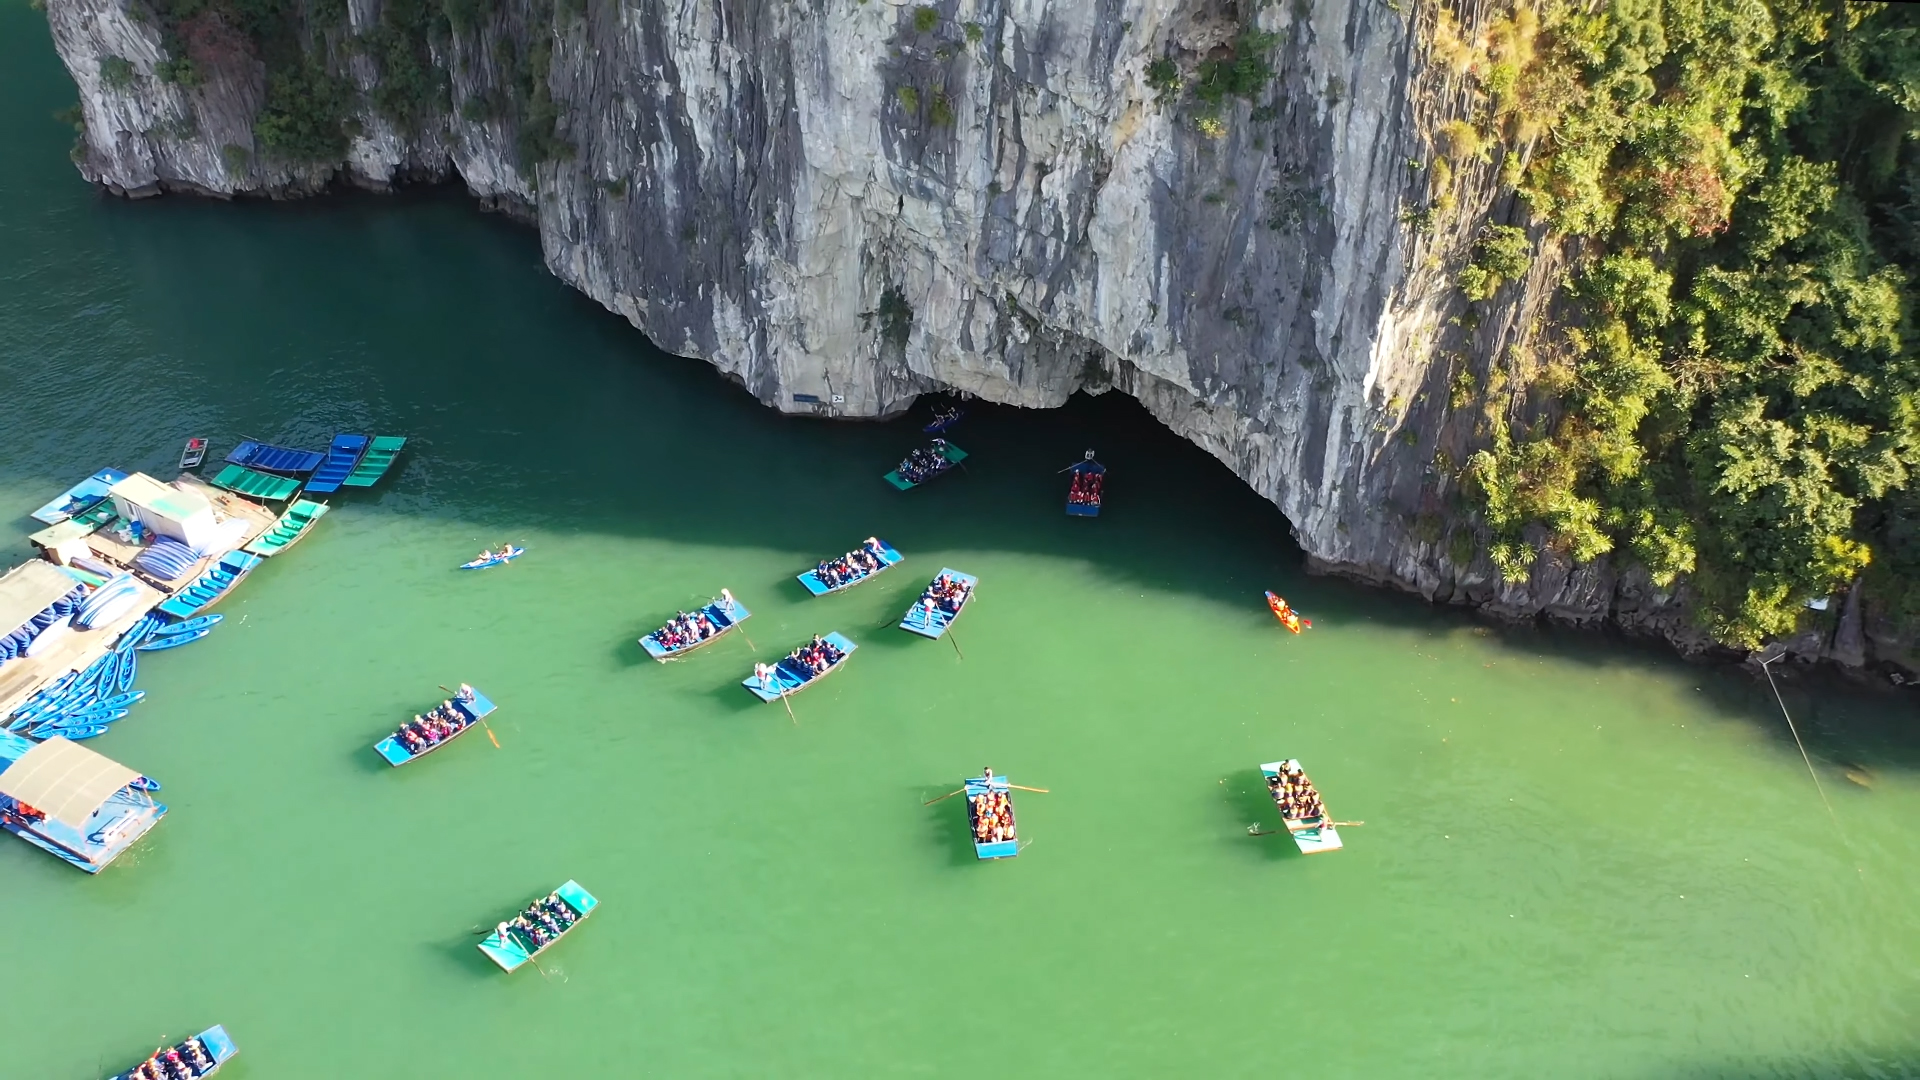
863, 201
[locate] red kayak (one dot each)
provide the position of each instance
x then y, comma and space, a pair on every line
1288, 617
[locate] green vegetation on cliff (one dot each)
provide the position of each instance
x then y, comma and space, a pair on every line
1731, 374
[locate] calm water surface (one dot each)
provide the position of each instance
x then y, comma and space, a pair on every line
1581, 859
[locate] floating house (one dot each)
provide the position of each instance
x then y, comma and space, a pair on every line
170, 511
65, 799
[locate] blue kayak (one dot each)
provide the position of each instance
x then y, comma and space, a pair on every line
171, 641
506, 556
198, 622
76, 734
123, 677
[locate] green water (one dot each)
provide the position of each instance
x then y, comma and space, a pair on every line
1581, 858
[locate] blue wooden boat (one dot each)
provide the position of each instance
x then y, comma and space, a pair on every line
507, 555
275, 459
514, 947
79, 498
789, 676
930, 618
944, 420
172, 641
342, 455
1311, 835
199, 1056
1085, 490
990, 817
726, 614
216, 583
945, 456
395, 750
889, 557
198, 622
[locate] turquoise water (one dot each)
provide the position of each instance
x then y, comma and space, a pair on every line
1581, 858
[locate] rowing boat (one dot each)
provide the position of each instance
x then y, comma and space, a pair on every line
950, 456
214, 1049
929, 618
280, 459
790, 677
193, 454
981, 793
375, 463
889, 557
510, 951
943, 421
726, 613
343, 454
267, 487
506, 556
1091, 477
219, 580
1311, 835
396, 752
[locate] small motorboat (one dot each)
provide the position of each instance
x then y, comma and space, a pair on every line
194, 453
490, 559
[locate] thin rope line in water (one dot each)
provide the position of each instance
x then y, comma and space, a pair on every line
1831, 816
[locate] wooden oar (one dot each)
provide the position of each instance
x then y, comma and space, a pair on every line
482, 719
748, 640
955, 638
1019, 787
943, 798
783, 701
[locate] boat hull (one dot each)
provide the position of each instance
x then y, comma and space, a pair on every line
498, 560
954, 456
977, 786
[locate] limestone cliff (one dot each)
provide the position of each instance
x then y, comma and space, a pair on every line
863, 201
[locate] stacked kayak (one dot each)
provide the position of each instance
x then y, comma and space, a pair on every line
174, 635
166, 559
108, 602
342, 456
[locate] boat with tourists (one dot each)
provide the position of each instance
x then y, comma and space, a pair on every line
289, 529
873, 556
1288, 617
490, 558
800, 668
944, 419
1312, 828
1085, 487
432, 730
199, 1056
990, 816
936, 459
539, 926
686, 631
940, 603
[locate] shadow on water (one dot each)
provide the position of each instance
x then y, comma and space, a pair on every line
1244, 799
947, 831
530, 408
